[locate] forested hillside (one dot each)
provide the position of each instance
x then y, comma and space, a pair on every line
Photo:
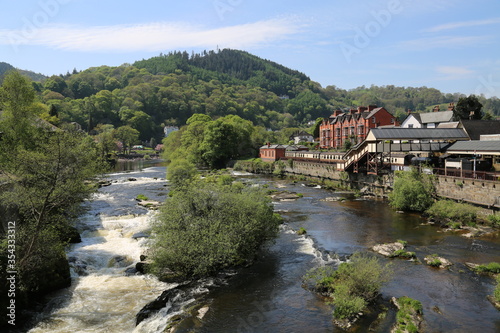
169, 89
5, 67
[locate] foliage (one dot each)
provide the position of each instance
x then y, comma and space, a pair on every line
494, 220
492, 267
353, 285
127, 135
301, 231
496, 293
434, 260
48, 172
207, 227
451, 212
405, 317
180, 172
142, 197
412, 191
468, 108
403, 254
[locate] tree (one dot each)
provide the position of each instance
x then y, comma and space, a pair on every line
468, 108
180, 172
46, 171
207, 227
413, 191
220, 144
127, 135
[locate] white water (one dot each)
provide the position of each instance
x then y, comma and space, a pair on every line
103, 298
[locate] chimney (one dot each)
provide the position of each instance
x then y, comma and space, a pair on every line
337, 113
371, 107
361, 109
436, 108
409, 111
353, 111
451, 106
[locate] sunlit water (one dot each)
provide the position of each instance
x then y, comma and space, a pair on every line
268, 296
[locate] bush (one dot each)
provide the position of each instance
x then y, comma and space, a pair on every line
492, 267
405, 317
494, 220
180, 172
413, 191
142, 197
496, 293
353, 285
452, 212
302, 231
207, 227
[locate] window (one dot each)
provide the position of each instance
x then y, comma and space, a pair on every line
373, 120
410, 125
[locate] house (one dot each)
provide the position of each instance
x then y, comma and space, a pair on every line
429, 119
271, 153
301, 136
353, 126
484, 154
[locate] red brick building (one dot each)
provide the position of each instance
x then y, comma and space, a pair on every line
353, 125
271, 153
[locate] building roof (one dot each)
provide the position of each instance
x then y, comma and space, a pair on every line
475, 145
436, 117
399, 133
476, 128
300, 133
451, 124
286, 147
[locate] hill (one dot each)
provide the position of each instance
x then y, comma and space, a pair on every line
168, 89
5, 67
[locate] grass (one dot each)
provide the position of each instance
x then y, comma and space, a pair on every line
403, 254
409, 309
451, 213
301, 231
492, 267
435, 262
142, 197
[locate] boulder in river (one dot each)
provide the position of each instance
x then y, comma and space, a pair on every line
436, 261
388, 249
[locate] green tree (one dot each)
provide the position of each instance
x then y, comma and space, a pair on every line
207, 227
180, 172
220, 144
468, 108
412, 191
127, 135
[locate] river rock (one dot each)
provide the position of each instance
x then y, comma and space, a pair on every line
285, 196
202, 312
178, 294
141, 266
140, 234
131, 179
150, 204
429, 260
388, 249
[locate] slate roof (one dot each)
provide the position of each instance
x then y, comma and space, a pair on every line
399, 133
436, 117
476, 128
476, 145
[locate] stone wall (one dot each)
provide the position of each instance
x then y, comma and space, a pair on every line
480, 192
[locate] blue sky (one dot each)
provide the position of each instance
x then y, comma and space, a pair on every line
452, 45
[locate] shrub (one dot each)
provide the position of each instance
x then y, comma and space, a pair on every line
142, 197
496, 293
453, 212
405, 317
435, 262
207, 227
353, 285
180, 172
413, 191
403, 254
494, 220
301, 231
492, 267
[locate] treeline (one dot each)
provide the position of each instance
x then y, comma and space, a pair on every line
169, 89
45, 174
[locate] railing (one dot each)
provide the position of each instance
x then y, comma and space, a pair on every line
460, 173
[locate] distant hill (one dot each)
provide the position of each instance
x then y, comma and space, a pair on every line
5, 67
230, 67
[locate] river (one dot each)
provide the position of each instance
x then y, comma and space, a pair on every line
268, 296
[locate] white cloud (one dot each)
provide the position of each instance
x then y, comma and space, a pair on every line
463, 24
152, 36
